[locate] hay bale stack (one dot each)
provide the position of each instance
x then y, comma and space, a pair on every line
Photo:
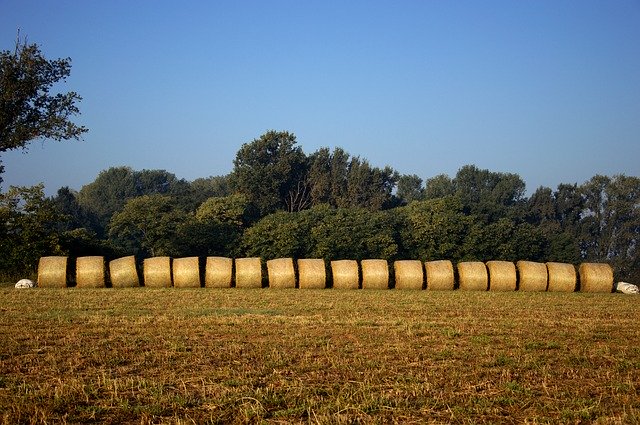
90, 272
123, 272
52, 272
186, 272
439, 275
409, 274
312, 273
472, 276
248, 272
375, 274
532, 276
502, 275
345, 274
562, 277
157, 272
218, 272
281, 273
596, 277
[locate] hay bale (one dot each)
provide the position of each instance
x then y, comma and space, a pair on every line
375, 274
52, 272
532, 276
596, 277
502, 275
439, 274
157, 272
124, 273
281, 273
562, 277
218, 272
409, 274
345, 274
472, 276
186, 272
90, 272
248, 272
312, 273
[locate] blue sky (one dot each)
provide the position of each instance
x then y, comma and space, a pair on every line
546, 89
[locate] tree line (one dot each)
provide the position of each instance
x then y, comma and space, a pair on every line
280, 202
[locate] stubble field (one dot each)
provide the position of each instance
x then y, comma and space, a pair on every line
317, 356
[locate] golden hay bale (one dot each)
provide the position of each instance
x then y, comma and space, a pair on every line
502, 275
123, 272
345, 274
281, 273
218, 273
90, 272
375, 274
409, 274
248, 272
596, 277
312, 273
52, 272
186, 272
439, 274
472, 276
157, 272
562, 277
532, 276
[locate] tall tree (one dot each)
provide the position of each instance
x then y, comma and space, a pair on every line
410, 188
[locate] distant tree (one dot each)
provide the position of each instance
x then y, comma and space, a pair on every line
439, 186
209, 187
28, 109
410, 188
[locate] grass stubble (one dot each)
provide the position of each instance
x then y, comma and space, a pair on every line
143, 356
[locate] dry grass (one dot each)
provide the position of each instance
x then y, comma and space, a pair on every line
323, 357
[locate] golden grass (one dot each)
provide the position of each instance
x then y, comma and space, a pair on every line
186, 272
408, 274
90, 272
532, 276
596, 277
281, 273
375, 274
52, 272
219, 272
248, 272
472, 276
345, 274
157, 272
312, 273
123, 272
440, 275
562, 277
502, 275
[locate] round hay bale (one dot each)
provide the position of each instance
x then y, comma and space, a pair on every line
90, 272
345, 274
281, 273
312, 273
157, 272
124, 273
532, 276
52, 272
375, 274
186, 272
409, 274
562, 277
502, 275
596, 277
248, 272
439, 274
472, 276
218, 272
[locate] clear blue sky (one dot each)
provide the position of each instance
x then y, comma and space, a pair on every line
546, 89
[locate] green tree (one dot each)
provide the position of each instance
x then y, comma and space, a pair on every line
439, 186
410, 188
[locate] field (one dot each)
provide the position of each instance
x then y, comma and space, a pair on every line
317, 356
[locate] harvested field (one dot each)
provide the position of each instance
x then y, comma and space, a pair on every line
258, 356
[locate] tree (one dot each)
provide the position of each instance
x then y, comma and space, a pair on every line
410, 188
28, 109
